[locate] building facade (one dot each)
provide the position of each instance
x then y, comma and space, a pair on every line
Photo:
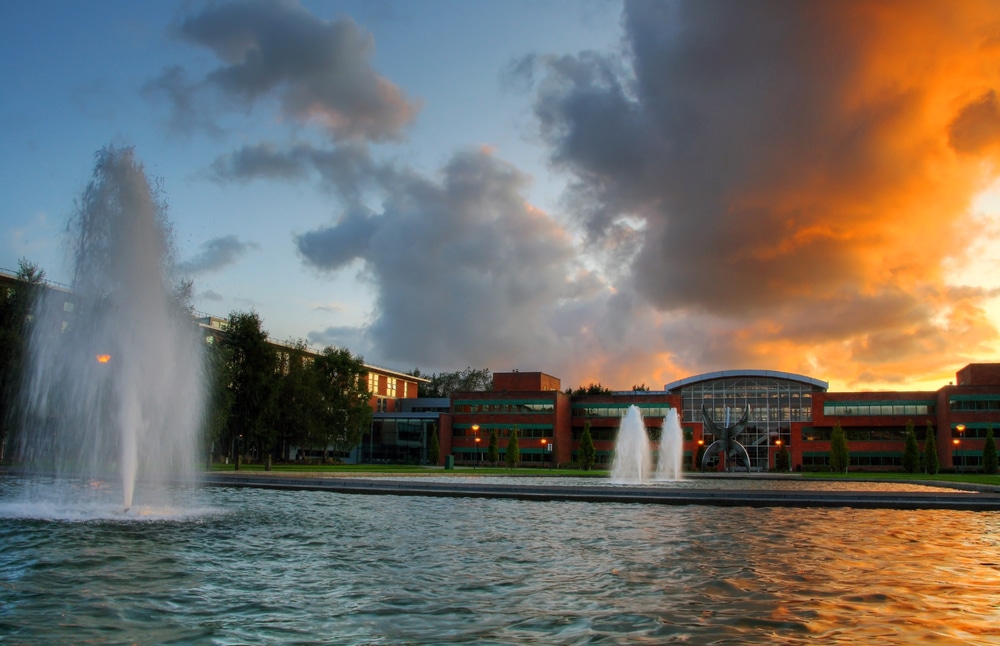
785, 410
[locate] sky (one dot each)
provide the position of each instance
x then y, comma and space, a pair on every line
621, 193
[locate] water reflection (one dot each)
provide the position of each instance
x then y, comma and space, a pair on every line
263, 566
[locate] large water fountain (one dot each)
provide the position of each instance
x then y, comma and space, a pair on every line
114, 389
633, 459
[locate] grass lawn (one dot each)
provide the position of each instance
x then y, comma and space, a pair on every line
414, 470
974, 478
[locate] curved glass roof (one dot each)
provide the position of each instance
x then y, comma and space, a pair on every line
731, 374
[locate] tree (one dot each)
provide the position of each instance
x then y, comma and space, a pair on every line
513, 451
300, 411
588, 454
434, 446
782, 459
911, 451
931, 463
446, 383
840, 455
253, 364
493, 452
16, 307
591, 389
990, 453
343, 399
219, 399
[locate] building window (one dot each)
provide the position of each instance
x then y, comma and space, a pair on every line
390, 387
373, 383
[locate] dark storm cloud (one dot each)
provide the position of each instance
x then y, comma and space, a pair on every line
319, 70
792, 164
465, 269
216, 254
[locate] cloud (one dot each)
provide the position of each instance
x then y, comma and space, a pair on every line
465, 269
215, 254
802, 173
319, 71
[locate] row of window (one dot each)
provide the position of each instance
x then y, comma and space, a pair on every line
856, 409
504, 407
864, 434
541, 431
974, 404
611, 410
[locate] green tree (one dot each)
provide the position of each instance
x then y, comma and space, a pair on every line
588, 454
990, 453
931, 463
253, 364
493, 452
590, 389
343, 400
299, 412
840, 455
16, 306
219, 399
434, 446
446, 383
782, 459
513, 450
911, 451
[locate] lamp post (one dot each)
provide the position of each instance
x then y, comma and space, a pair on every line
778, 444
954, 453
697, 454
545, 455
475, 430
961, 429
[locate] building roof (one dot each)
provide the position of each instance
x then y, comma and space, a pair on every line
736, 374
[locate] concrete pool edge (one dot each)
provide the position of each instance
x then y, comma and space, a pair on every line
971, 500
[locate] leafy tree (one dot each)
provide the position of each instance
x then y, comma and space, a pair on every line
931, 463
588, 454
591, 389
782, 459
16, 306
343, 400
446, 383
641, 388
513, 450
493, 452
253, 364
300, 411
219, 399
434, 446
840, 455
990, 453
911, 451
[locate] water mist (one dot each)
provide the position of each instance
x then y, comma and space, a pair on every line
114, 388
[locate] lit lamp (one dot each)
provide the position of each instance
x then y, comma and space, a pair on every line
475, 429
701, 444
103, 358
545, 443
955, 452
778, 444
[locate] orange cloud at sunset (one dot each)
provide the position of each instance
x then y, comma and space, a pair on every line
806, 174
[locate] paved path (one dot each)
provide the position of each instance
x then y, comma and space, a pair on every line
735, 497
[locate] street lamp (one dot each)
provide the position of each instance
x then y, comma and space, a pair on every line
475, 430
545, 447
778, 444
954, 454
697, 454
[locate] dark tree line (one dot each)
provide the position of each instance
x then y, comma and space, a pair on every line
445, 383
267, 397
16, 304
261, 397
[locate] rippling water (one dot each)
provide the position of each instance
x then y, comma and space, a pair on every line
255, 566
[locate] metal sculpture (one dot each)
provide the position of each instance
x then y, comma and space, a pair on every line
726, 442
